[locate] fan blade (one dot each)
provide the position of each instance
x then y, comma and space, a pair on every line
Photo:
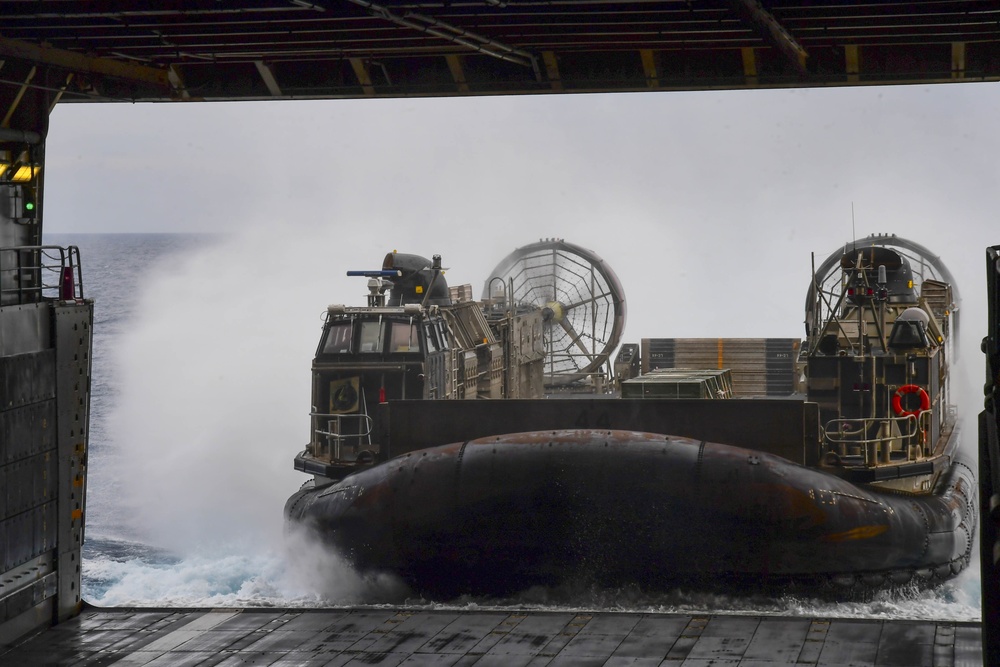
575, 338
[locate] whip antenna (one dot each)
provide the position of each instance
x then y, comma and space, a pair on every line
854, 233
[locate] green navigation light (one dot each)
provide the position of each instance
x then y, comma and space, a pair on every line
29, 203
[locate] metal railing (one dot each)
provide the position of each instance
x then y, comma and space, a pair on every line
331, 439
855, 432
29, 274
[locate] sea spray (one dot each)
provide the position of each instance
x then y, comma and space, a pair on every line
210, 378
298, 573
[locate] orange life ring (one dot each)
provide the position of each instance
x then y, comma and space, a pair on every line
897, 400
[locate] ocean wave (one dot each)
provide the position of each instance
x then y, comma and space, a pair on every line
305, 575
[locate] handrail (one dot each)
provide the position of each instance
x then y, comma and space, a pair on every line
849, 431
334, 427
29, 274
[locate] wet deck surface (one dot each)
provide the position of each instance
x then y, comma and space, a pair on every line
338, 637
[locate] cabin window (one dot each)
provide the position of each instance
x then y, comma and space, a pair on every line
908, 334
371, 336
338, 338
404, 338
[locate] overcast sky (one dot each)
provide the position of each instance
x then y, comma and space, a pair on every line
688, 196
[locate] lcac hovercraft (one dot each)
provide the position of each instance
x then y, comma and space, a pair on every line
858, 484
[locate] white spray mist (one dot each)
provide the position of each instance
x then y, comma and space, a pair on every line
215, 381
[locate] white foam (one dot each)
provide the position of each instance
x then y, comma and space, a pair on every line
299, 574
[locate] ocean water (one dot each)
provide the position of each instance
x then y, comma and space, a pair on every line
202, 347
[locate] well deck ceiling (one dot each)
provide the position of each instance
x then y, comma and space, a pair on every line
297, 49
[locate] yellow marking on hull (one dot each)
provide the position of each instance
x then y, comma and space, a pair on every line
859, 533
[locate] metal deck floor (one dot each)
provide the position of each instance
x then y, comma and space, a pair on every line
389, 637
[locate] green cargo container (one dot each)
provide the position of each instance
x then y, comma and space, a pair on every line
680, 383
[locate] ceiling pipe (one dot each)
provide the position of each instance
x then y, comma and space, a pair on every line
8, 135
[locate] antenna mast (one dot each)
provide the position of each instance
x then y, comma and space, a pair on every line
854, 233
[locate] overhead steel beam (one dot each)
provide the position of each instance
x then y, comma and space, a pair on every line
457, 73
649, 67
268, 76
62, 89
958, 60
364, 77
752, 12
452, 33
431, 47
177, 82
852, 63
17, 98
75, 62
749, 66
552, 70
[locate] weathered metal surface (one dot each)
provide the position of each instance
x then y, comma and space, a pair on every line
24, 329
26, 379
27, 594
989, 465
44, 403
788, 428
678, 383
27, 431
72, 340
760, 366
28, 464
507, 638
503, 513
